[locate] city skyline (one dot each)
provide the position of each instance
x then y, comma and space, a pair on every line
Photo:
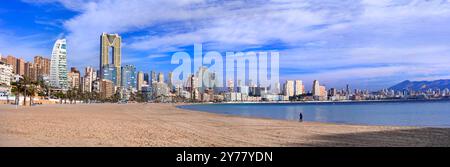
358, 46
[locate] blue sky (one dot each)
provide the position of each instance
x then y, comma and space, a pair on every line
370, 44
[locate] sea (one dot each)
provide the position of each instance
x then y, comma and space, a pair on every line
430, 113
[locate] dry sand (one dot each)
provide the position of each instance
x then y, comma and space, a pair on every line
165, 125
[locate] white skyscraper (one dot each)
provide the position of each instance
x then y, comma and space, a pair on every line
58, 65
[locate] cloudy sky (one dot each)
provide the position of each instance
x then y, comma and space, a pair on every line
369, 44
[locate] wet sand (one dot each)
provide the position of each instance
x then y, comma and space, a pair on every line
166, 125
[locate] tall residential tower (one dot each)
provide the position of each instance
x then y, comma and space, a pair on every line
110, 46
58, 65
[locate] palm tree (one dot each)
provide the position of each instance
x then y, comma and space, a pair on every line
16, 91
31, 92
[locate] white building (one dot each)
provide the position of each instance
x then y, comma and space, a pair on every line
90, 75
6, 76
58, 65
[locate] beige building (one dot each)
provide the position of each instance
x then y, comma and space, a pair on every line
41, 67
299, 87
74, 78
140, 80
160, 77
289, 88
20, 67
11, 60
110, 46
323, 92
106, 88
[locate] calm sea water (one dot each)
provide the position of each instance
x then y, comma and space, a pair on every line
406, 113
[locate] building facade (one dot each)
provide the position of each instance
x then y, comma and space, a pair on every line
58, 65
129, 77
110, 45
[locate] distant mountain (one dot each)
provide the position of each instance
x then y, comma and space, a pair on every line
422, 85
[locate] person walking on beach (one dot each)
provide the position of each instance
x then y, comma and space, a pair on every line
300, 119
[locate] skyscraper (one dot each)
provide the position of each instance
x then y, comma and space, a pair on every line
289, 88
90, 75
20, 66
129, 77
316, 88
58, 65
110, 45
169, 81
74, 78
161, 77
140, 80
41, 67
146, 78
153, 77
299, 88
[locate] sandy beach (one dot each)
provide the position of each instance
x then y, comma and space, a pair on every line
166, 125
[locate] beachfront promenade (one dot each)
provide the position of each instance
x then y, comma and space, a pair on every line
166, 125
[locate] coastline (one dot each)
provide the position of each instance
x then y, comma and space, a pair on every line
166, 125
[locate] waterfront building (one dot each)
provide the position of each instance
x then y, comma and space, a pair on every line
316, 88
129, 80
90, 75
106, 88
289, 88
161, 77
140, 80
20, 67
74, 78
146, 79
6, 76
41, 68
110, 46
299, 87
110, 73
153, 78
276, 88
58, 65
323, 92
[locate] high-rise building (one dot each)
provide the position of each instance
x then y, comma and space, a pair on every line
58, 65
11, 60
30, 72
106, 88
6, 75
110, 45
347, 90
146, 78
74, 78
299, 88
153, 77
129, 77
41, 67
316, 88
90, 75
161, 77
323, 91
169, 81
20, 67
140, 80
289, 88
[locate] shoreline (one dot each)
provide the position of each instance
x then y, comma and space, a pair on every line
155, 124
